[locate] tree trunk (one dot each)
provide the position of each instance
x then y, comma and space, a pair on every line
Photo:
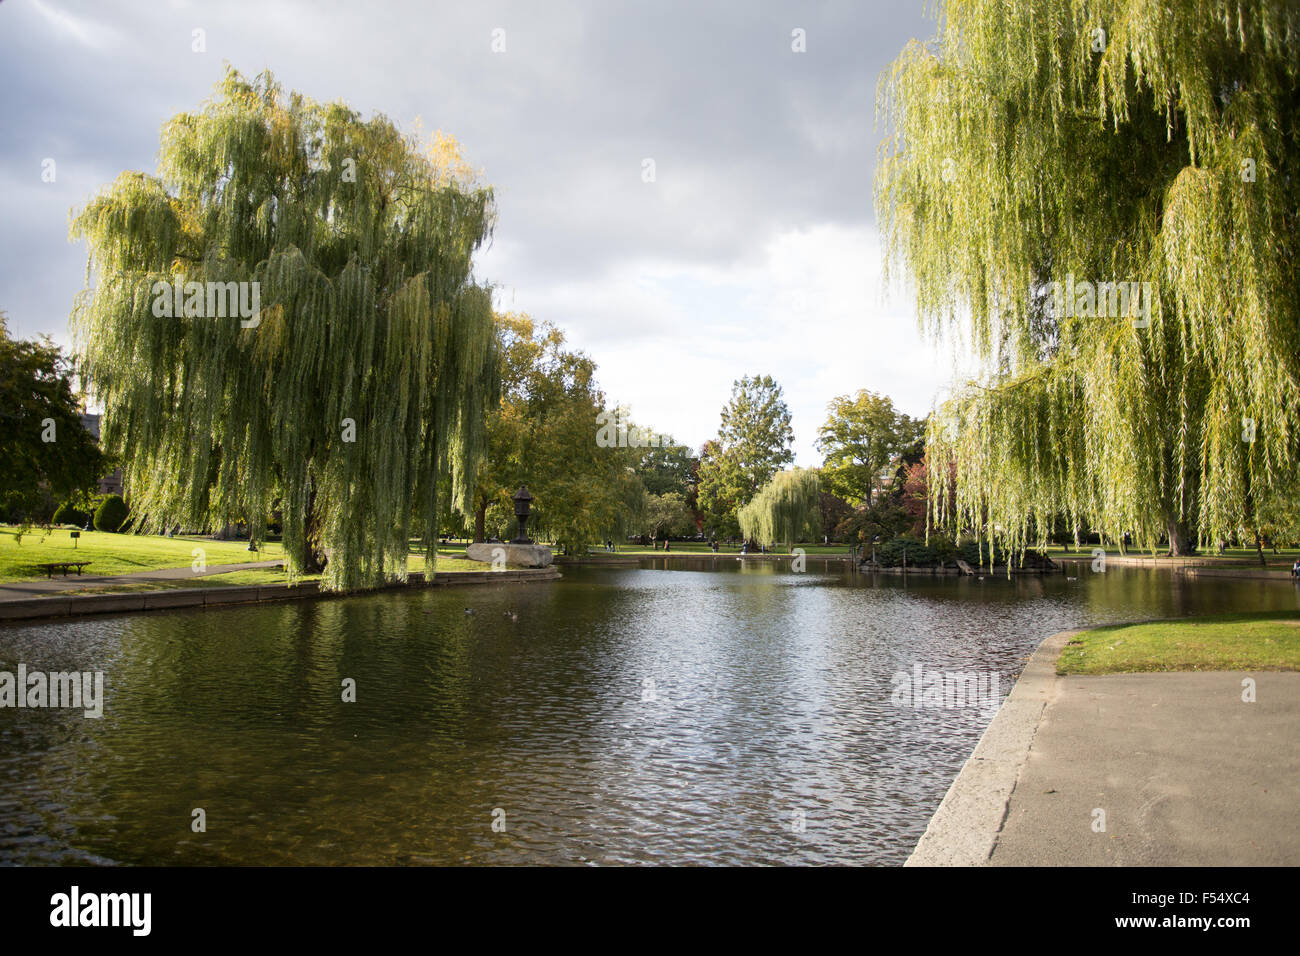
480, 522
1259, 548
1180, 544
313, 559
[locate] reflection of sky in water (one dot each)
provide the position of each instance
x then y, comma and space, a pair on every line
771, 695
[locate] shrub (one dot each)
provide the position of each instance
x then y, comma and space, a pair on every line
68, 513
112, 514
992, 555
919, 554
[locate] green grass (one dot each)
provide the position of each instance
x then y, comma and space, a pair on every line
115, 553
1231, 642
253, 577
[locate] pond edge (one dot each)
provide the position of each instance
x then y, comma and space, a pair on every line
965, 827
26, 609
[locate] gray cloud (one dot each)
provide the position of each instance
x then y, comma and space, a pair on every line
751, 141
748, 137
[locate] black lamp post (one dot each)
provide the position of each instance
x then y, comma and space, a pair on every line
523, 504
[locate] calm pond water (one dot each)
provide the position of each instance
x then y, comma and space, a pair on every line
722, 712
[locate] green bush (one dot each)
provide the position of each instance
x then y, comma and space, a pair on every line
112, 514
919, 554
940, 550
68, 513
970, 553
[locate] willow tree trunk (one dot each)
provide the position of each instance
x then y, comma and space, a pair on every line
1180, 543
313, 558
1251, 514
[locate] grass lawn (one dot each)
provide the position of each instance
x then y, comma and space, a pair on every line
1261, 641
115, 553
255, 576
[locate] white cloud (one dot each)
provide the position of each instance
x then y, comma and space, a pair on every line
811, 311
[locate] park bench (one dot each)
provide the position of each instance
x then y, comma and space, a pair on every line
50, 567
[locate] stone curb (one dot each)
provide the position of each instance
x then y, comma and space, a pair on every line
964, 830
27, 609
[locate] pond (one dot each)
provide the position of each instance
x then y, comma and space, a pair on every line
685, 711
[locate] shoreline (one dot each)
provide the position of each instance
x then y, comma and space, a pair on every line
55, 606
964, 829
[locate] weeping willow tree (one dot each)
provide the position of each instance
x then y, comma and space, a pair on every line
361, 383
1100, 198
785, 510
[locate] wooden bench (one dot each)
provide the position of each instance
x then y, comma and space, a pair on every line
50, 567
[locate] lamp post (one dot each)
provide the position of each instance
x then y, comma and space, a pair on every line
523, 504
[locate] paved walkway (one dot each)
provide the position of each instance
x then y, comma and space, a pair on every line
1186, 772
23, 590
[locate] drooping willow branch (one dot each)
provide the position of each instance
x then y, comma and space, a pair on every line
364, 382
1080, 143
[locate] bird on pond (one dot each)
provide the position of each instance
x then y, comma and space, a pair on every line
470, 610
513, 615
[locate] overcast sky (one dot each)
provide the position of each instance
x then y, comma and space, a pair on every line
753, 251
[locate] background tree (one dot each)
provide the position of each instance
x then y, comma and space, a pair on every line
753, 443
46, 454
785, 510
834, 510
1111, 141
543, 434
368, 375
667, 468
862, 437
666, 516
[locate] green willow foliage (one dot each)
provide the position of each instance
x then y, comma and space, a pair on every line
361, 245
1105, 141
785, 510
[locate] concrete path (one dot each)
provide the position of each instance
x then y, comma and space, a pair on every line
22, 590
1184, 771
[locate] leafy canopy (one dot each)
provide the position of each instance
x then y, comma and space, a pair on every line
364, 383
542, 434
1098, 141
753, 444
863, 435
787, 509
45, 451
